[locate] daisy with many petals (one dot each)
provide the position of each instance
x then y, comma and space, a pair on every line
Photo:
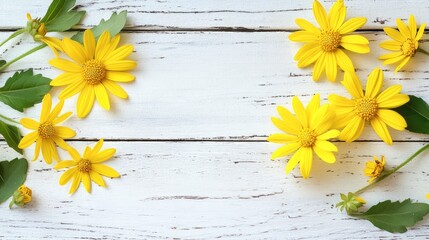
88, 167
370, 106
405, 42
45, 132
325, 46
95, 69
306, 132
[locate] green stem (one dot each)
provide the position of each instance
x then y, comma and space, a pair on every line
13, 35
388, 173
23, 55
8, 119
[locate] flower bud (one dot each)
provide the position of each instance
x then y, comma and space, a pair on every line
21, 196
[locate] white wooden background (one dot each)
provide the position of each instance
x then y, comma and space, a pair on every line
191, 138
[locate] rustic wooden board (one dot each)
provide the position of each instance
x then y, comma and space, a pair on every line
206, 190
219, 14
216, 86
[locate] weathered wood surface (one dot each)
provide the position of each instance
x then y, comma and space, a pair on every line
219, 14
206, 190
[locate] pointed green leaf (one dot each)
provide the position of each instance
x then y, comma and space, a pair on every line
60, 17
12, 135
395, 216
13, 176
24, 89
416, 114
114, 25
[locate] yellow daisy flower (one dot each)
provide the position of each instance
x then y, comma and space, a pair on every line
323, 46
370, 105
87, 168
37, 29
96, 68
46, 134
309, 131
374, 168
405, 42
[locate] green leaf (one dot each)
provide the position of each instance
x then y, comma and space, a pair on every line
13, 175
2, 62
114, 25
395, 216
12, 135
24, 89
60, 17
416, 114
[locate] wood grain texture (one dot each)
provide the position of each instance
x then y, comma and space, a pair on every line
206, 190
220, 14
216, 86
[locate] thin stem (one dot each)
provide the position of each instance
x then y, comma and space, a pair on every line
23, 55
8, 119
13, 35
388, 173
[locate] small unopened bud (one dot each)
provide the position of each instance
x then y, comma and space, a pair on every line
351, 203
21, 196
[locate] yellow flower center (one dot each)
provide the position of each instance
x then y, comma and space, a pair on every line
366, 108
329, 40
46, 130
93, 72
307, 137
84, 165
408, 48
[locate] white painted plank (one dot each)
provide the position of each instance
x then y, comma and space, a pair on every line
214, 190
211, 85
220, 14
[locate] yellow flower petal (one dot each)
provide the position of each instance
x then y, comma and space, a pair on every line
65, 65
285, 150
394, 60
394, 101
46, 151
293, 161
67, 175
352, 130
57, 109
281, 138
392, 118
309, 57
344, 61
326, 146
76, 182
121, 65
46, 108
352, 84
391, 46
303, 36
326, 156
331, 67
61, 118
120, 76
65, 164
391, 55
85, 102
306, 161
300, 111
60, 142
74, 154
402, 64
380, 129
312, 106
37, 149
64, 132
28, 139
86, 181
98, 146
119, 53
340, 101
354, 39
320, 15
412, 26
65, 79
102, 97
95, 177
103, 155
89, 44
374, 84
105, 170
72, 89
304, 49
319, 67
102, 46
388, 93
351, 25
329, 134
74, 50
403, 29
29, 123
306, 25
337, 14
420, 32
394, 34
115, 89
358, 48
